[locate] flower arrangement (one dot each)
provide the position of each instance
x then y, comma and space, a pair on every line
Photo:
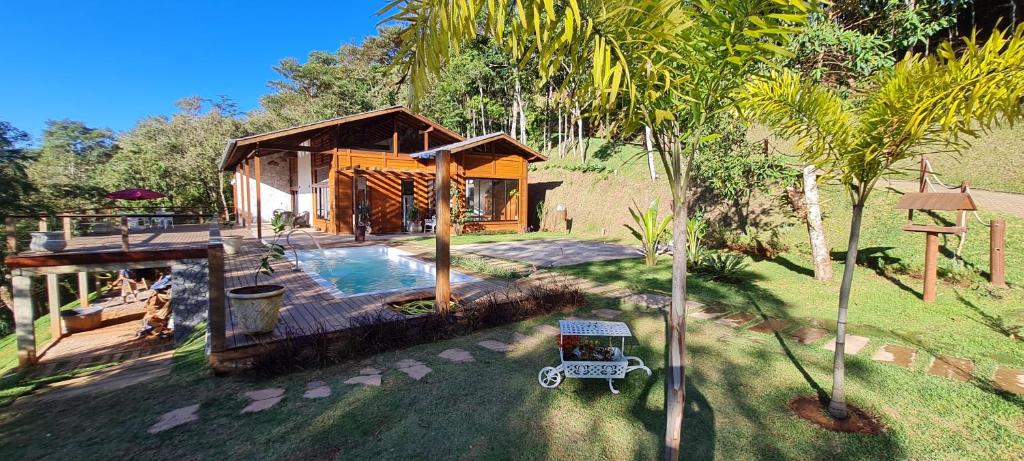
577, 348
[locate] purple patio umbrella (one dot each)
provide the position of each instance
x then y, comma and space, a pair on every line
135, 194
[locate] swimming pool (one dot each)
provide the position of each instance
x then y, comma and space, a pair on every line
370, 270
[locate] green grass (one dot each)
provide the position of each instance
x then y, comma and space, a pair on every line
493, 408
968, 320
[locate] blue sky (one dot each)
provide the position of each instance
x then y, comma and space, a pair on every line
111, 63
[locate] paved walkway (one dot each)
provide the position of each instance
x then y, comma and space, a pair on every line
553, 253
1000, 202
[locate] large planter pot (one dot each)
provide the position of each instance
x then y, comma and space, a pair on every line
232, 244
360, 233
257, 308
52, 242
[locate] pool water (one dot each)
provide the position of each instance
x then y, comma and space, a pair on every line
370, 269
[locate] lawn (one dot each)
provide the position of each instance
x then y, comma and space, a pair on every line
493, 408
969, 319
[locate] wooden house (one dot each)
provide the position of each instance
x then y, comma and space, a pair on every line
380, 163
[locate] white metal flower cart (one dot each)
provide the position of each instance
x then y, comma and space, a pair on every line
583, 359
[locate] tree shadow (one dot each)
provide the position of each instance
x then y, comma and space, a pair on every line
882, 263
793, 267
995, 323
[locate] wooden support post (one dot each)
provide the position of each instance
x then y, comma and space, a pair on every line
922, 182
996, 256
124, 233
931, 265
66, 224
217, 313
443, 229
11, 229
53, 302
24, 320
83, 289
259, 202
245, 180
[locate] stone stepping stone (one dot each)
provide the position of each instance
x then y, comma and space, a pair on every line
370, 371
366, 380
1010, 380
317, 390
648, 300
708, 313
456, 355
496, 346
518, 337
854, 344
771, 326
263, 399
952, 368
896, 355
808, 335
547, 330
175, 418
607, 313
736, 320
413, 368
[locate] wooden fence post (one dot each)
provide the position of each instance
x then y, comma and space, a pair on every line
931, 264
11, 229
83, 289
66, 224
124, 233
442, 230
996, 256
53, 302
24, 320
217, 311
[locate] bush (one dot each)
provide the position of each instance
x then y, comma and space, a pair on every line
722, 267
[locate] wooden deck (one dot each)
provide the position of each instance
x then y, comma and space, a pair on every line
309, 307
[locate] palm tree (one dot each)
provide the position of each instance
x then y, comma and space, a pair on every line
924, 104
669, 65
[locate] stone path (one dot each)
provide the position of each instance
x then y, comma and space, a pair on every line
736, 320
896, 355
1010, 380
951, 368
456, 355
552, 253
607, 314
771, 326
368, 376
413, 368
317, 390
854, 344
263, 399
175, 418
496, 346
808, 335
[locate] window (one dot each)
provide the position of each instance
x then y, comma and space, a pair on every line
492, 199
321, 188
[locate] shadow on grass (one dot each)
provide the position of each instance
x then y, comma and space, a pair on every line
880, 261
993, 322
793, 267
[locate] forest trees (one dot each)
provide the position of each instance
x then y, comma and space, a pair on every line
67, 163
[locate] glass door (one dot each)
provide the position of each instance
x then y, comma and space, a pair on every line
409, 212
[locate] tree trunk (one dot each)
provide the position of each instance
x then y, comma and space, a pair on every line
223, 199
649, 142
675, 382
579, 135
815, 228
837, 406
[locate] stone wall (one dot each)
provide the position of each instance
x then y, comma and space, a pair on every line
190, 298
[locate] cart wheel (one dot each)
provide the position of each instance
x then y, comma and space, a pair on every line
549, 377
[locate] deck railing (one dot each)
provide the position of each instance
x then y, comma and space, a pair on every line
25, 266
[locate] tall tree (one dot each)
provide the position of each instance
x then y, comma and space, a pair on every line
670, 65
67, 162
178, 155
15, 186
925, 104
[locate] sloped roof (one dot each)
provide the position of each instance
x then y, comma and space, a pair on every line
516, 147
237, 149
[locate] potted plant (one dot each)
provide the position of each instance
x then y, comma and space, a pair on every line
232, 243
362, 220
52, 242
458, 213
412, 215
257, 307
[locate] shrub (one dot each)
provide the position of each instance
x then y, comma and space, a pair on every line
649, 230
722, 267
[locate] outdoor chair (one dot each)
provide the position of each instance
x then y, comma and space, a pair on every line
430, 224
301, 220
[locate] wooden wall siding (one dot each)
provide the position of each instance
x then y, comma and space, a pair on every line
385, 187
